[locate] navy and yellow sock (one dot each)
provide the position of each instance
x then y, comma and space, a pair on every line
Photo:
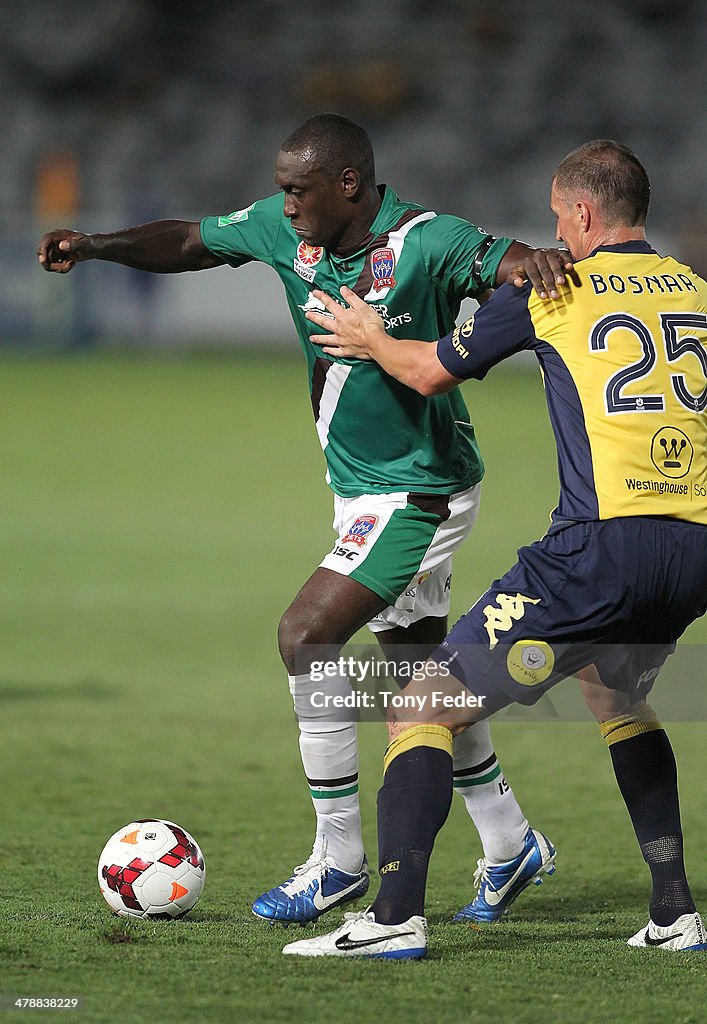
645, 769
413, 804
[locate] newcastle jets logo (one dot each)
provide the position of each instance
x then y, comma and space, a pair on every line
382, 267
511, 608
671, 452
358, 531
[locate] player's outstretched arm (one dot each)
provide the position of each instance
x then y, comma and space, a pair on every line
544, 268
162, 246
357, 332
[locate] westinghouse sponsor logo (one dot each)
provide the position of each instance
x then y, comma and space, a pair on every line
658, 486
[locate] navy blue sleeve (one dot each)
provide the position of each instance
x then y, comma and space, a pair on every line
498, 329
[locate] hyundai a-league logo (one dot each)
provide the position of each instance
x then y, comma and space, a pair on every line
309, 255
307, 258
359, 530
382, 267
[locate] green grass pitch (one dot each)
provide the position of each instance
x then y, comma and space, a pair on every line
156, 517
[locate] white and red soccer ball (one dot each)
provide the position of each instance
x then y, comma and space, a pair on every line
151, 869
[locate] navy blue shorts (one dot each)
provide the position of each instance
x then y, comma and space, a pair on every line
616, 594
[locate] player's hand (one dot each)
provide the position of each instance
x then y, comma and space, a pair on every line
352, 330
546, 270
59, 250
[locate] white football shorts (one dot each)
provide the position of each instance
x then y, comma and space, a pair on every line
400, 546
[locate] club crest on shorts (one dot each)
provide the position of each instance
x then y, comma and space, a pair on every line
382, 267
359, 530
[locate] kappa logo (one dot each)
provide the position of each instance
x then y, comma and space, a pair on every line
359, 530
509, 611
382, 267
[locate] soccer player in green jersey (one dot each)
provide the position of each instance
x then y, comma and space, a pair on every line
619, 575
405, 469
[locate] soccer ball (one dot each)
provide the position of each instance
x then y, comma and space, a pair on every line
152, 869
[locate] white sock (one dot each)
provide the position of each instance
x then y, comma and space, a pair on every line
329, 751
489, 799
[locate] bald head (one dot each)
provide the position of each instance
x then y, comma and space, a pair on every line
330, 143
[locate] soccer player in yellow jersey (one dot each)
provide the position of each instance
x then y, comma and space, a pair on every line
619, 575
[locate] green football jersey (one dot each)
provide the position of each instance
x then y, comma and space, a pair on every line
414, 267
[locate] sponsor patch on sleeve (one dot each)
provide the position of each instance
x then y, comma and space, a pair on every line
234, 218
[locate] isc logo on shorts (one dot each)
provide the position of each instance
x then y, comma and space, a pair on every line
359, 530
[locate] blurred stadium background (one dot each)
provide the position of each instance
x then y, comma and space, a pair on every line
121, 111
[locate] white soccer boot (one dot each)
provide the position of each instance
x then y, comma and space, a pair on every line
362, 936
688, 933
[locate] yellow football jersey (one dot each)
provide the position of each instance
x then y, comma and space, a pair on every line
624, 359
